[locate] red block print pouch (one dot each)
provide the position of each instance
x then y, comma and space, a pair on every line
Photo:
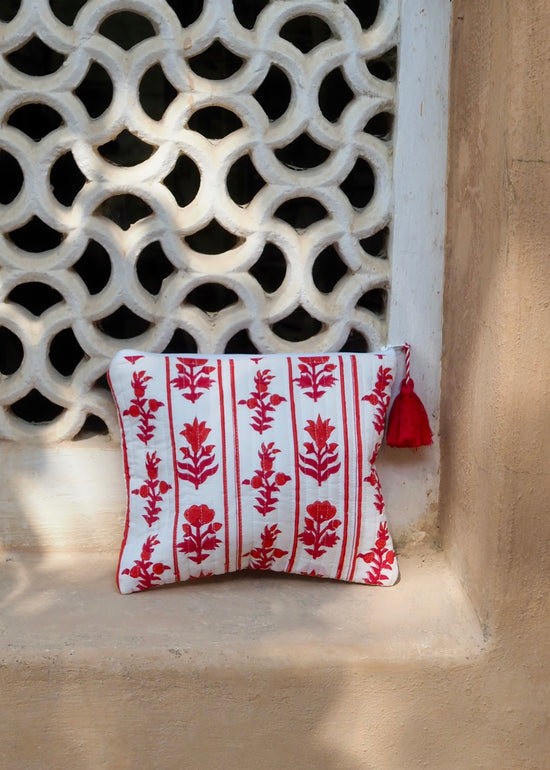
253, 462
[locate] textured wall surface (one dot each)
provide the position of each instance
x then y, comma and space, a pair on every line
496, 419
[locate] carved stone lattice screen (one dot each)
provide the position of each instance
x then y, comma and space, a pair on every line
182, 176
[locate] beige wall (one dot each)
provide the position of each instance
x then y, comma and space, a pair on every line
496, 380
495, 501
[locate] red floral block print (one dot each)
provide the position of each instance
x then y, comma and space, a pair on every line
199, 533
193, 379
315, 376
266, 481
374, 480
143, 408
380, 397
321, 458
153, 489
264, 556
380, 557
197, 464
262, 462
319, 530
262, 402
144, 569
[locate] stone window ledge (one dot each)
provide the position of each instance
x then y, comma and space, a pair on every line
64, 609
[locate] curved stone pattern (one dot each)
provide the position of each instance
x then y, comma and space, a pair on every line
131, 218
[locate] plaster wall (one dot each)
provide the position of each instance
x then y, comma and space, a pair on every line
496, 425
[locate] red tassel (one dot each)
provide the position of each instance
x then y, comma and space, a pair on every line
408, 424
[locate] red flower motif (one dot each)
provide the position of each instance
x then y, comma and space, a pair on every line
319, 431
380, 557
193, 377
320, 459
266, 480
374, 480
197, 464
380, 397
315, 381
262, 402
141, 407
144, 569
153, 489
320, 537
199, 515
263, 556
199, 533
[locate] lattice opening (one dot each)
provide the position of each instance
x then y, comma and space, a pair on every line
94, 267
270, 269
35, 236
334, 95
35, 58
36, 408
186, 193
8, 10
298, 326
216, 63
35, 120
380, 125
124, 210
123, 324
152, 267
243, 181
212, 297
302, 153
375, 301
359, 184
187, 12
66, 10
65, 352
306, 32
247, 11
214, 122
376, 245
156, 93
95, 90
274, 93
34, 296
365, 10
301, 213
126, 150
181, 342
355, 343
213, 239
183, 181
66, 179
11, 351
328, 269
12, 178
241, 343
127, 29
385, 67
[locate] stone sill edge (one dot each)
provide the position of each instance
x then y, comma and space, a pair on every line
63, 609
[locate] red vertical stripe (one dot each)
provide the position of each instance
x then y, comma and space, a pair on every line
127, 477
175, 466
237, 467
359, 448
346, 470
296, 467
224, 465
